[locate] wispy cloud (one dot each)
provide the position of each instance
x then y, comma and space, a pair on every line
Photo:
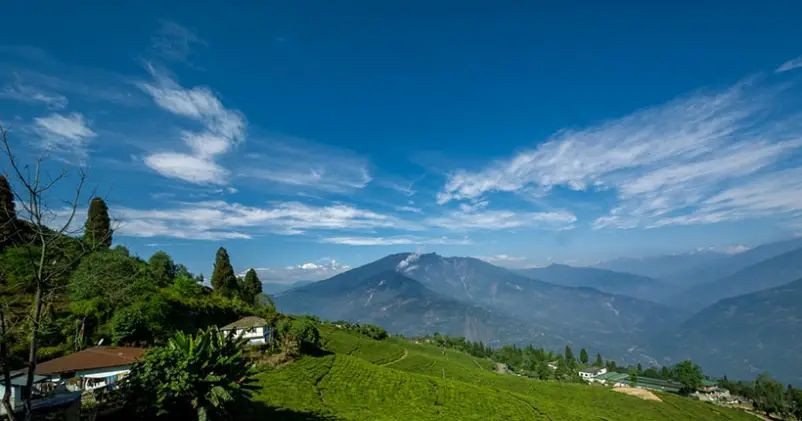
664, 163
216, 220
790, 65
308, 271
65, 136
221, 129
18, 91
395, 240
174, 41
301, 163
506, 260
467, 219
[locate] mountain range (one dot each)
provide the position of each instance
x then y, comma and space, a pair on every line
612, 312
468, 297
609, 281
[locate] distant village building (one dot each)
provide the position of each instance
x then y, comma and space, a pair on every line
92, 368
254, 329
588, 374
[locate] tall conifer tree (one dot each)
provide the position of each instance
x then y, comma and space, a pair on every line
251, 286
97, 231
224, 281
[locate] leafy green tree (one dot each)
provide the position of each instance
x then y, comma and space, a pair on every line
162, 268
298, 336
794, 399
199, 376
583, 356
251, 287
633, 377
141, 322
97, 231
689, 375
769, 396
187, 286
224, 281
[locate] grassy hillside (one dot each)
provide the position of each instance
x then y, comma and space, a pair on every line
398, 379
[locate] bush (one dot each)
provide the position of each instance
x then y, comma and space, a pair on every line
194, 376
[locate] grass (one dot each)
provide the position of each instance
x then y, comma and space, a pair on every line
399, 379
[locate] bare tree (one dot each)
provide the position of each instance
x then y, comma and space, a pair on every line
43, 230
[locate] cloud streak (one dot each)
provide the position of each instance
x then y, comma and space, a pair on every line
65, 136
219, 220
221, 129
664, 163
790, 65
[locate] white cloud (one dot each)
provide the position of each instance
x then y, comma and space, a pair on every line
506, 260
470, 218
213, 220
395, 240
663, 162
221, 130
65, 136
790, 65
301, 163
18, 91
195, 169
310, 271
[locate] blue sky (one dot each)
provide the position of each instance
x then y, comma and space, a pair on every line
309, 138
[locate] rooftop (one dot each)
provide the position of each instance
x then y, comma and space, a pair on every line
246, 322
91, 358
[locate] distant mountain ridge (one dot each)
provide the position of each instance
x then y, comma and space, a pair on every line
544, 313
770, 273
687, 270
745, 335
604, 280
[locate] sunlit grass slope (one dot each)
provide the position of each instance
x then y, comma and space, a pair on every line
399, 379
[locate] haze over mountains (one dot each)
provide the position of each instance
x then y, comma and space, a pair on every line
626, 316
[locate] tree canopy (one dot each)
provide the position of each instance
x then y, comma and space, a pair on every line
97, 231
251, 287
224, 281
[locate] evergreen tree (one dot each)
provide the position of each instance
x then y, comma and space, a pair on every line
224, 281
583, 356
162, 268
8, 215
97, 231
569, 356
251, 286
599, 361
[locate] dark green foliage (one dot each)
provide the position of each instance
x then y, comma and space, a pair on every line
141, 323
251, 287
198, 376
768, 395
187, 286
569, 356
583, 356
8, 216
599, 361
689, 375
298, 336
97, 231
224, 281
162, 268
371, 331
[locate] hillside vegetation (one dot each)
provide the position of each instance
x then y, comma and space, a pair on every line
361, 378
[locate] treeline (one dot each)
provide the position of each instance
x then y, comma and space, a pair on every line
768, 395
104, 294
369, 330
547, 365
